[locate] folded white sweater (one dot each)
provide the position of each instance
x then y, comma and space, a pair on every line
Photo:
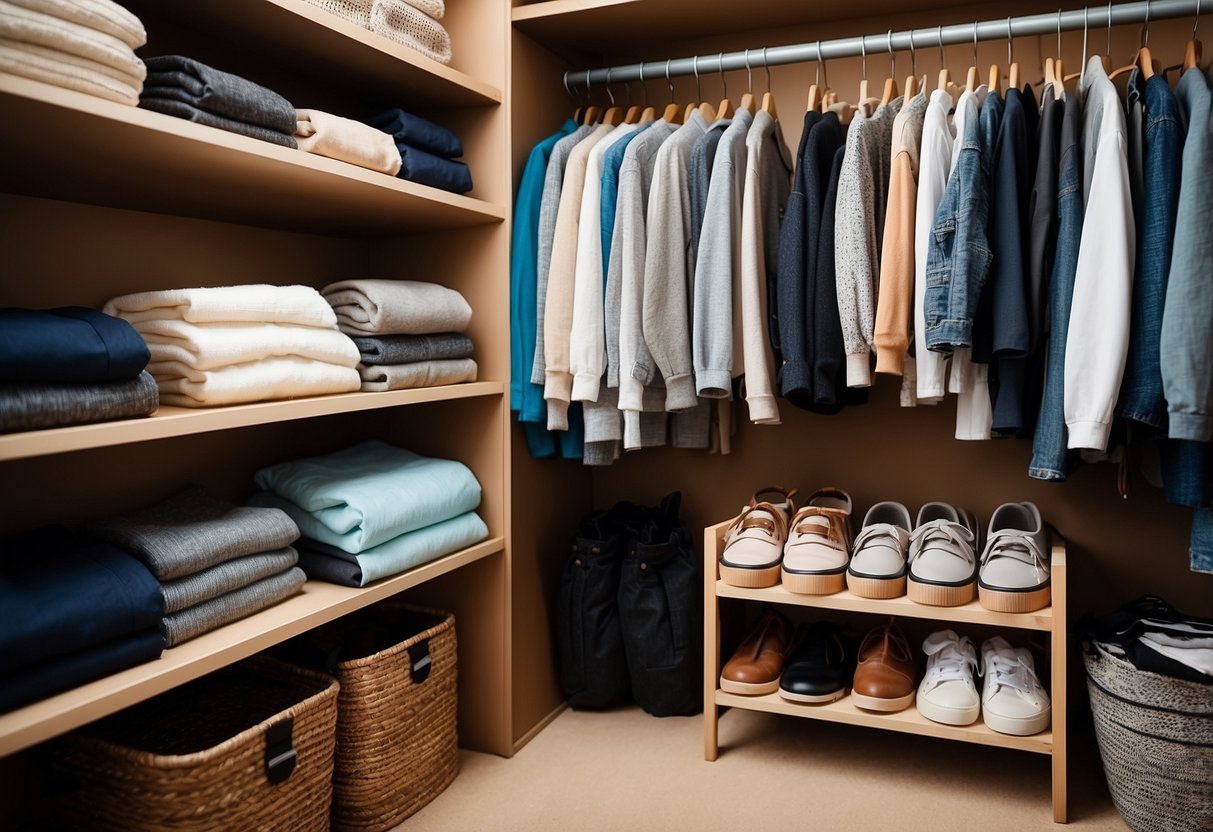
273, 378
397, 307
29, 26
100, 15
212, 346
347, 140
255, 303
70, 72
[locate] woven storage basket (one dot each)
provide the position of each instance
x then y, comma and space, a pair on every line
214, 754
1156, 739
397, 747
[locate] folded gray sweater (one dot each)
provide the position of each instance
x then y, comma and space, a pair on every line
36, 406
422, 374
150, 99
396, 307
218, 92
209, 615
224, 578
409, 349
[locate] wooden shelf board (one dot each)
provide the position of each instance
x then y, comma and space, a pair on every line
908, 721
971, 613
317, 604
181, 421
146, 161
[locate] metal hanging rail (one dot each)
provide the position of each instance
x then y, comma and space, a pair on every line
1092, 17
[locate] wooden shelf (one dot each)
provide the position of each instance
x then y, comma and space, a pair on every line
147, 161
317, 604
971, 613
315, 37
909, 721
182, 421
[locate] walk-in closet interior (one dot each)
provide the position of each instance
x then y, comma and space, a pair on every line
100, 200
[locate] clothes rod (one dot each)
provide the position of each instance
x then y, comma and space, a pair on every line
1091, 17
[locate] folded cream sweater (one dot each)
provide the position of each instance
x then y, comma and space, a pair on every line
273, 378
257, 303
101, 15
29, 26
70, 72
212, 346
347, 140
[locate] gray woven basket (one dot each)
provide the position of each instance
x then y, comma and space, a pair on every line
1156, 739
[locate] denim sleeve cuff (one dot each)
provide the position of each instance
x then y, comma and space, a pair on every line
1197, 427
859, 369
946, 336
1093, 435
680, 393
585, 387
713, 384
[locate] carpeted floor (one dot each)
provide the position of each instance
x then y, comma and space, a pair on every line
624, 770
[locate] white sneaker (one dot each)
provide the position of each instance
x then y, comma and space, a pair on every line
1013, 699
943, 556
818, 547
1014, 574
878, 565
947, 693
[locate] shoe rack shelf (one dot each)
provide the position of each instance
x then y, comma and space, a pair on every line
1051, 619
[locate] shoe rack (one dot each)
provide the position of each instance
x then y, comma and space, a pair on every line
1051, 620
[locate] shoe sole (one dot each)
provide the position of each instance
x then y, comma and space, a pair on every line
934, 595
1000, 600
878, 588
820, 699
945, 715
803, 584
748, 688
1017, 726
876, 703
750, 577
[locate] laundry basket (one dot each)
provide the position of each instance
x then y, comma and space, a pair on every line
1155, 736
248, 747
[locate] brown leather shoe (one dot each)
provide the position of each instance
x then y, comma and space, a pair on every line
757, 664
885, 676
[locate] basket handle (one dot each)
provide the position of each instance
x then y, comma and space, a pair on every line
420, 661
280, 754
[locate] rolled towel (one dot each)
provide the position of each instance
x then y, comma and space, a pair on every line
192, 531
408, 349
405, 24
427, 169
241, 603
213, 346
191, 82
223, 578
329, 563
99, 15
367, 494
253, 303
256, 381
40, 29
69, 72
381, 377
415, 131
39, 406
68, 345
396, 307
347, 140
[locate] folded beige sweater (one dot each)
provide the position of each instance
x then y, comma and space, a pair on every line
255, 303
100, 15
347, 140
28, 26
213, 346
273, 378
71, 72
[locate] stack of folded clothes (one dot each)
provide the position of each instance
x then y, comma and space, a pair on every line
374, 510
350, 141
70, 366
215, 562
392, 321
83, 45
427, 151
187, 89
413, 23
74, 611
235, 344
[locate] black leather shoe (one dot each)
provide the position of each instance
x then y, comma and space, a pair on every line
821, 666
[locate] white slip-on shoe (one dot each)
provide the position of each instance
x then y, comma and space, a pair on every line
878, 564
942, 567
753, 547
1013, 701
1014, 572
947, 693
819, 545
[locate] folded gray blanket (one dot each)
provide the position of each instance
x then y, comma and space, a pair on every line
209, 615
148, 100
396, 307
382, 377
192, 531
218, 92
409, 349
38, 406
224, 578
319, 566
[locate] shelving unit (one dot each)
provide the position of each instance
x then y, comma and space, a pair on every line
1052, 619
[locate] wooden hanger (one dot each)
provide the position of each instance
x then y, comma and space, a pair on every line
995, 78
592, 115
1142, 59
768, 97
747, 98
633, 115
725, 108
973, 78
1012, 64
1192, 53
816, 100
673, 112
890, 84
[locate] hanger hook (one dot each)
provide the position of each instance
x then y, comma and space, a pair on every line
892, 57
1059, 33
913, 57
1085, 20
767, 67
698, 89
610, 94
644, 90
669, 81
749, 74
568, 91
724, 82
974, 43
1109, 52
1145, 31
863, 49
943, 61
1010, 44
817, 80
1196, 20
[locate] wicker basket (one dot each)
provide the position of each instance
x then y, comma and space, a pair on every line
1156, 739
396, 740
248, 747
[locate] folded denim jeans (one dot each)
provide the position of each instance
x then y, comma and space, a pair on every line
427, 169
220, 93
68, 345
38, 406
417, 132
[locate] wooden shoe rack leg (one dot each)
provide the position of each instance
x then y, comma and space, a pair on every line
1051, 619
